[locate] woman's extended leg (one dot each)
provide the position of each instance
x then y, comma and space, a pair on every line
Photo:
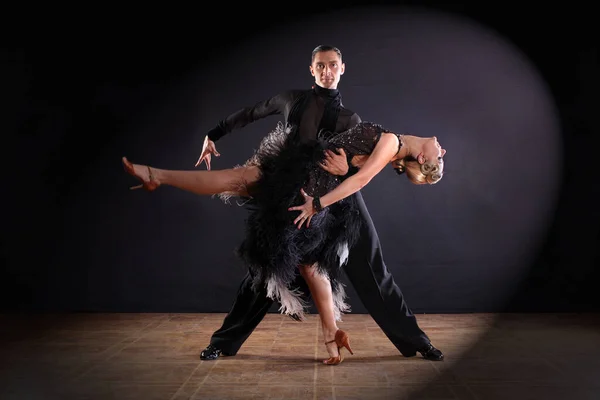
320, 288
232, 180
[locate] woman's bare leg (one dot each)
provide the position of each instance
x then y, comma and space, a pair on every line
200, 182
320, 288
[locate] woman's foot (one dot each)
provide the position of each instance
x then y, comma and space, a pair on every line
340, 339
332, 349
143, 173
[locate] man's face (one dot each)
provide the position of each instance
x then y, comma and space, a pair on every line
327, 68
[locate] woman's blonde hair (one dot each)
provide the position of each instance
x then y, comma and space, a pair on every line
420, 174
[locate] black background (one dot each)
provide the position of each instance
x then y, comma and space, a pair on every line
81, 88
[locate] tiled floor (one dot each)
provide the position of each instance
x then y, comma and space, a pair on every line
155, 356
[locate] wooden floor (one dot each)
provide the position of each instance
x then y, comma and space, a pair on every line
156, 356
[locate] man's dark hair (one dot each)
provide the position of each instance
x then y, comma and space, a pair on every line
325, 47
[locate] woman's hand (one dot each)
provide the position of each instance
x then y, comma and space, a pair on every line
307, 210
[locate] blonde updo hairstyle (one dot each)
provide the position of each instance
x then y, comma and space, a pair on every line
420, 174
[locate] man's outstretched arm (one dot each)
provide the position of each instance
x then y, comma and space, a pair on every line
244, 116
240, 118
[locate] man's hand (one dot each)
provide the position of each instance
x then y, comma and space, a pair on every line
335, 164
207, 149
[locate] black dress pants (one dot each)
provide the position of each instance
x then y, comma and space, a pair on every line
371, 280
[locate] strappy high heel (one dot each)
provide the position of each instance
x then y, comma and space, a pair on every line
149, 185
341, 340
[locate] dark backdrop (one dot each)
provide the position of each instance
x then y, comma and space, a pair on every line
509, 92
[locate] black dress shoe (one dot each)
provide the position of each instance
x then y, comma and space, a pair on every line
212, 353
431, 353
295, 317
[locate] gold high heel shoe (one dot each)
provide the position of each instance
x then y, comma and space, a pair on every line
341, 340
149, 185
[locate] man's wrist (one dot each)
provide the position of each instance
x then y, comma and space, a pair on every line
351, 171
216, 133
351, 168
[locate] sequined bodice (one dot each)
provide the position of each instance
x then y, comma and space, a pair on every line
359, 140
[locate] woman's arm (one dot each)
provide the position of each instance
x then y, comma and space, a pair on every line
386, 148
